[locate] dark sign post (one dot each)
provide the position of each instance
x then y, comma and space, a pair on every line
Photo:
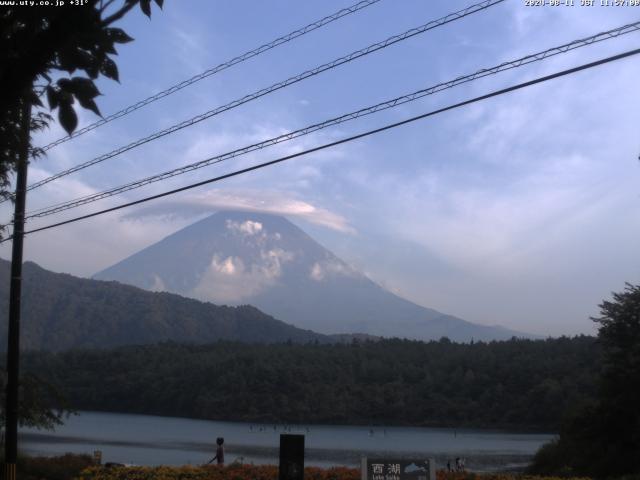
291, 457
398, 469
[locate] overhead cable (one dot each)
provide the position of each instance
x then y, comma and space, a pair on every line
276, 86
344, 140
217, 69
528, 59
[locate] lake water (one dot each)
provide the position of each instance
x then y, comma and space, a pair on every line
151, 440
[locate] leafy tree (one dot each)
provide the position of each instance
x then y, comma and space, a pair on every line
41, 50
619, 335
618, 412
42, 405
602, 439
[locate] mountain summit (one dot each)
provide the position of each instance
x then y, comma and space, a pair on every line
266, 261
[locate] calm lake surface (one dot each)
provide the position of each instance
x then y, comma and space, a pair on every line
151, 440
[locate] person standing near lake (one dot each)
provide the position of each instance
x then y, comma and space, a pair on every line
219, 452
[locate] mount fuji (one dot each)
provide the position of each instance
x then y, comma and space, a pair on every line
239, 258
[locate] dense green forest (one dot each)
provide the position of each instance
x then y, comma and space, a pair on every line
523, 384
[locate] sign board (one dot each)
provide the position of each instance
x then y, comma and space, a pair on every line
291, 457
398, 469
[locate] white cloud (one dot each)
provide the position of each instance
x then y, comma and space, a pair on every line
276, 257
158, 285
247, 227
230, 266
249, 200
231, 280
188, 48
331, 267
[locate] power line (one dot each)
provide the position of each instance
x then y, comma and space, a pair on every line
277, 86
217, 69
535, 57
346, 140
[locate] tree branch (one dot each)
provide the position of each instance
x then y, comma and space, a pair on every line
106, 5
119, 14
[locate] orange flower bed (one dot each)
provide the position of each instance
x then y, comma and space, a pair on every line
265, 472
232, 472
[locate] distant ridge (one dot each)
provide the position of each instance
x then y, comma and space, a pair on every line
267, 261
60, 312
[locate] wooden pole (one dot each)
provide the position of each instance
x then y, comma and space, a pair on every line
13, 347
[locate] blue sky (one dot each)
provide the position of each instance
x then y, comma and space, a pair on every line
521, 211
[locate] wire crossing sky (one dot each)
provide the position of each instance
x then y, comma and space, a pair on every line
451, 17
488, 212
392, 103
345, 140
217, 69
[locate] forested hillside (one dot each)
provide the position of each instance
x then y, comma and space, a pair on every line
61, 311
517, 384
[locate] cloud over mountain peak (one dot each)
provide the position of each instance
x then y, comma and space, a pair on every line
265, 260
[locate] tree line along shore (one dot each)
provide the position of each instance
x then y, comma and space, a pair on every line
518, 384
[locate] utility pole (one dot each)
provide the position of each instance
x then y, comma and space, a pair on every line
13, 347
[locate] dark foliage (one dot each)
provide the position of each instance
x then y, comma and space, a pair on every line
602, 439
41, 405
518, 383
38, 43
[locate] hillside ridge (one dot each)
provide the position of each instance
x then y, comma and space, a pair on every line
60, 311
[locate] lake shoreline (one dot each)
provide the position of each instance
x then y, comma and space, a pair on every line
504, 428
153, 440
